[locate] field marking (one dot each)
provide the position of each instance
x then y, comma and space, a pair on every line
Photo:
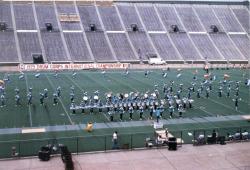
199, 108
27, 86
247, 103
231, 108
33, 130
64, 108
67, 76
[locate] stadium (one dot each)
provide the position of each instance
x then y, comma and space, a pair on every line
94, 79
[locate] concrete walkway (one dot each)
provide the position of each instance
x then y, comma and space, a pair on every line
233, 156
127, 124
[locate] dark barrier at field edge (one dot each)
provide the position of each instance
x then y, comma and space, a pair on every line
26, 148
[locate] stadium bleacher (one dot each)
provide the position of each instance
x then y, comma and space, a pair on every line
242, 14
53, 46
99, 46
8, 47
24, 17
123, 32
29, 44
243, 43
110, 18
77, 47
67, 9
165, 47
121, 47
46, 14
206, 47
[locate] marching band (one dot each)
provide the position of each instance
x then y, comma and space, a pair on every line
170, 99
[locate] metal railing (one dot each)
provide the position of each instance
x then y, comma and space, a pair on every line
80, 144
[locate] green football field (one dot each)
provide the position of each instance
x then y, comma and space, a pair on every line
36, 115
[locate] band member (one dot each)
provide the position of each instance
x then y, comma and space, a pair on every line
72, 105
220, 92
45, 92
158, 114
58, 91
29, 98
130, 110
198, 93
17, 98
141, 111
151, 111
236, 103
171, 111
207, 92
121, 110
161, 110
41, 98
72, 97
180, 110
17, 90
55, 99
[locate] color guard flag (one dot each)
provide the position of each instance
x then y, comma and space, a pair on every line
1, 82
206, 76
226, 76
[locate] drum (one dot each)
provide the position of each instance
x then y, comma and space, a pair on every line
85, 98
96, 97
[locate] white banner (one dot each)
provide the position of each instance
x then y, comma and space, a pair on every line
31, 67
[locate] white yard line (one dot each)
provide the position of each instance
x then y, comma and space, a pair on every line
225, 105
64, 108
30, 115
